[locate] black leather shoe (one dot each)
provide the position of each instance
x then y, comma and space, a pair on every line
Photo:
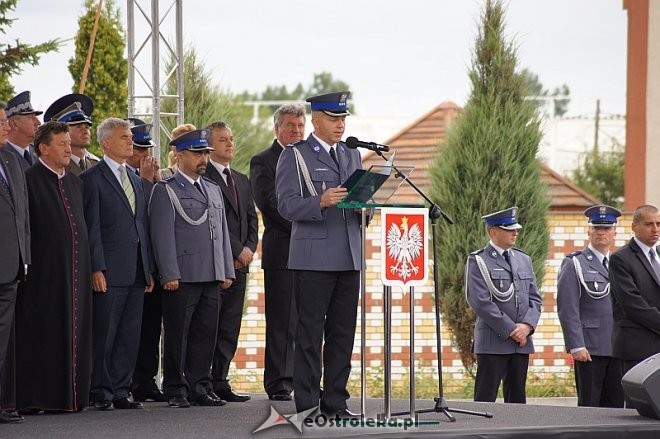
125, 403
178, 402
11, 418
207, 401
347, 414
103, 405
213, 396
281, 395
231, 396
154, 395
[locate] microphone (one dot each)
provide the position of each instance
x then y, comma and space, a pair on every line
353, 143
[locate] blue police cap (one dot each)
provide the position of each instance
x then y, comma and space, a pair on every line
141, 133
20, 105
602, 215
504, 219
332, 104
71, 109
192, 141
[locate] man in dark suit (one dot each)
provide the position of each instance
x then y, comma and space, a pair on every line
243, 228
75, 110
144, 386
585, 313
15, 245
325, 251
635, 285
500, 286
122, 265
280, 306
23, 123
193, 254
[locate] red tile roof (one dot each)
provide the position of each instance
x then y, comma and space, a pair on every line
417, 145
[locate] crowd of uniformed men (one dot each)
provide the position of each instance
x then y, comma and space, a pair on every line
98, 253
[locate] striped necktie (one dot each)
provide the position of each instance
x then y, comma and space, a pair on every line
127, 187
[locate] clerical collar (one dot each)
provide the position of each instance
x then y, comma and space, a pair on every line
52, 170
325, 146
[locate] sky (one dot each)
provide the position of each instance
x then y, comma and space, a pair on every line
400, 58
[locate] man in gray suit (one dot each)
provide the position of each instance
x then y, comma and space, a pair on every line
324, 252
500, 286
193, 255
15, 245
24, 123
585, 313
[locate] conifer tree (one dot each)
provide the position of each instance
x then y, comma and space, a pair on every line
108, 72
488, 164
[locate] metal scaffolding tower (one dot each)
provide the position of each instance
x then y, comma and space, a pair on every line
145, 65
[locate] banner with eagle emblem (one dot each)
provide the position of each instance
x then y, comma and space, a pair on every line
404, 246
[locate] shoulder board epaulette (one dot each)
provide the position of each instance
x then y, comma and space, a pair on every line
518, 250
573, 254
299, 142
165, 180
476, 252
208, 180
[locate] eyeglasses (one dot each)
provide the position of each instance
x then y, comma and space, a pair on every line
4, 122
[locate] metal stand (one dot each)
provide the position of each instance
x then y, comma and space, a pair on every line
441, 405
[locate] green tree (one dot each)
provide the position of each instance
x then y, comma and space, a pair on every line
205, 103
488, 163
15, 55
108, 72
601, 174
535, 88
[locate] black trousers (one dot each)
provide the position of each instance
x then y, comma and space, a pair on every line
190, 322
598, 382
327, 311
492, 369
281, 322
229, 328
7, 375
146, 367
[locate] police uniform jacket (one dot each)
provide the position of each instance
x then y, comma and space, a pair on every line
497, 319
585, 319
190, 253
321, 239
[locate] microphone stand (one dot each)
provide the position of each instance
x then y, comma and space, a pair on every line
435, 212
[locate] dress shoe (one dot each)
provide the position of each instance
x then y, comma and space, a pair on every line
154, 395
11, 418
125, 403
347, 414
281, 395
231, 396
207, 401
103, 405
178, 402
212, 395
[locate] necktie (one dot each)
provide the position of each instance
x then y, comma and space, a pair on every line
199, 188
605, 264
333, 154
231, 186
27, 156
654, 263
127, 187
5, 186
82, 164
506, 257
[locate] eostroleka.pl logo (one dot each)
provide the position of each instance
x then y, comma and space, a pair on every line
320, 420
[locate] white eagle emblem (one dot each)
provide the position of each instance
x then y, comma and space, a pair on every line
404, 246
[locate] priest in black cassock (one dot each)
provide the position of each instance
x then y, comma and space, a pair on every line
54, 315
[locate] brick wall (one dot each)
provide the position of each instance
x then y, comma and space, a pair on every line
568, 232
